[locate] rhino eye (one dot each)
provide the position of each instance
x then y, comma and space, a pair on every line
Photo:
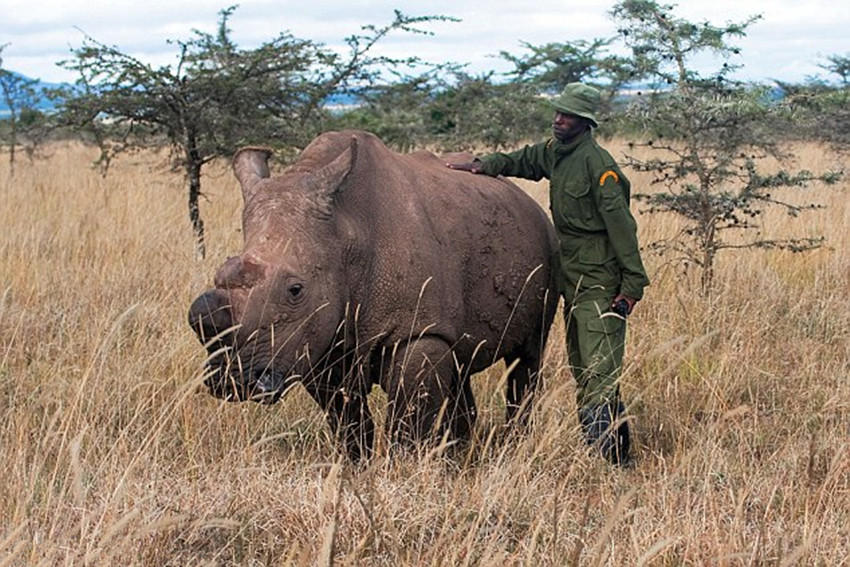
295, 290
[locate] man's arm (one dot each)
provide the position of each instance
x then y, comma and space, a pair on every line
528, 163
622, 233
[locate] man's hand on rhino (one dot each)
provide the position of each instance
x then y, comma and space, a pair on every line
472, 167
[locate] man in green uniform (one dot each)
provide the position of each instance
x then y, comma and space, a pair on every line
602, 276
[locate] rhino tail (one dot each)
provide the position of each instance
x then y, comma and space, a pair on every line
250, 165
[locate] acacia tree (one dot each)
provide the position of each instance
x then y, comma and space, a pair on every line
20, 97
397, 109
707, 133
828, 109
839, 65
453, 109
836, 122
819, 109
550, 67
218, 97
477, 110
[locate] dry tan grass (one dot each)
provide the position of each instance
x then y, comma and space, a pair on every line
110, 456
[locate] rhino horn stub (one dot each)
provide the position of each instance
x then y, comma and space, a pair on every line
239, 272
327, 181
251, 166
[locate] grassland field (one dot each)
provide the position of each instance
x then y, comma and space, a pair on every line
110, 454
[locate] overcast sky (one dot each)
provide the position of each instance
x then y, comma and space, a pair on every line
789, 43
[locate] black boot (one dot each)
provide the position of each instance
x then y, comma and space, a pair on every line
612, 443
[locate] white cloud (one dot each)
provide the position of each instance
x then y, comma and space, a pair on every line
791, 39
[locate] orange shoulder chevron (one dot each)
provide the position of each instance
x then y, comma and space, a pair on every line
606, 175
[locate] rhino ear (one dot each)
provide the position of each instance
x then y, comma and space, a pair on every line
326, 183
251, 166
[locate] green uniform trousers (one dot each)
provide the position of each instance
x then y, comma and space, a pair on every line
596, 340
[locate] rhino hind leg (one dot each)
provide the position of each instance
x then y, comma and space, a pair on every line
524, 379
522, 386
347, 412
465, 413
423, 393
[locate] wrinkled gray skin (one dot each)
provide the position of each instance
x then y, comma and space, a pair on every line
362, 266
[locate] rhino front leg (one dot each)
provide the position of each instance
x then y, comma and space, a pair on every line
348, 416
422, 391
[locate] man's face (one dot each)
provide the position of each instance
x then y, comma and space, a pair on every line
565, 127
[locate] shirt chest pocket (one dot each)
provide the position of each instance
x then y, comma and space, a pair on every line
576, 203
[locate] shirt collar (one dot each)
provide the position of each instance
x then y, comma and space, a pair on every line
567, 148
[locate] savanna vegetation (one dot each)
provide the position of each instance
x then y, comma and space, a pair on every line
738, 371
112, 453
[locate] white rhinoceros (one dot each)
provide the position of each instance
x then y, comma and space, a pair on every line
363, 266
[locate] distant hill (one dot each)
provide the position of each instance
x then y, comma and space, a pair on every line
44, 104
335, 101
340, 102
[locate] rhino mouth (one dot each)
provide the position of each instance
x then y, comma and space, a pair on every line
269, 387
227, 380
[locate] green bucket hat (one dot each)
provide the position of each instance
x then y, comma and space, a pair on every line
579, 99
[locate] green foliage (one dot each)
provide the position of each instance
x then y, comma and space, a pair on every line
663, 44
452, 109
839, 65
395, 111
219, 97
476, 111
820, 110
707, 132
550, 67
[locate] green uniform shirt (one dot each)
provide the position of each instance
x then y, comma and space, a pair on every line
589, 199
